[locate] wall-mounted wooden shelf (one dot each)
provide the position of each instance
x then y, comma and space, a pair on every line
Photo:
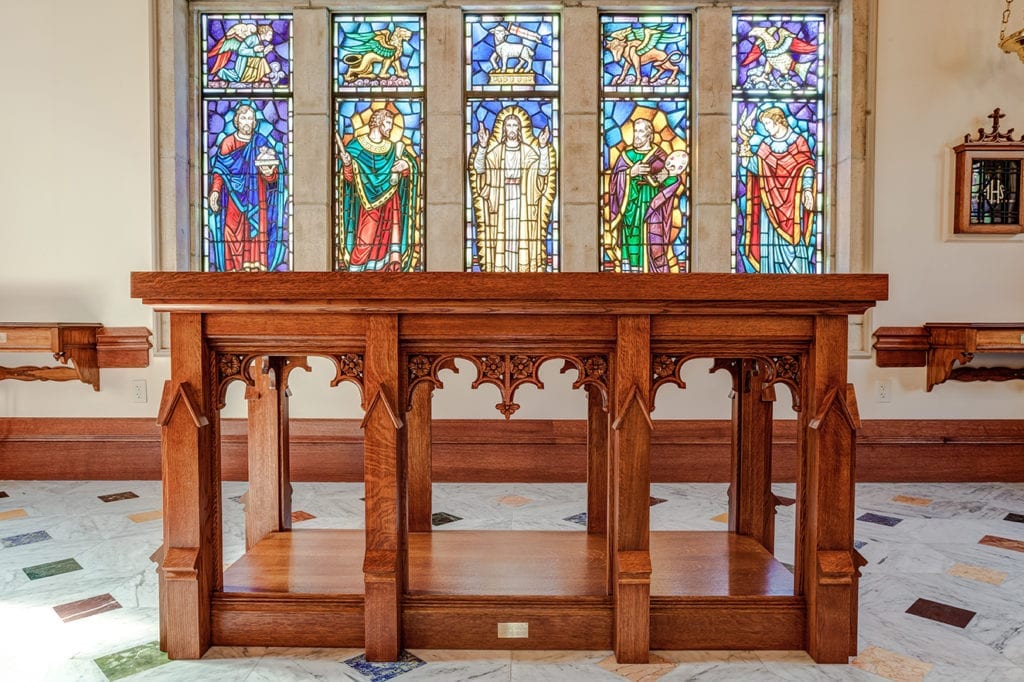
945, 348
82, 348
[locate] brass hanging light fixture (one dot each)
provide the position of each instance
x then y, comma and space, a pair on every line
1013, 43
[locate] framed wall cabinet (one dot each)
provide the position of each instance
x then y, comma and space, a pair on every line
989, 182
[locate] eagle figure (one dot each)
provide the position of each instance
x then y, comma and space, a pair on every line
778, 46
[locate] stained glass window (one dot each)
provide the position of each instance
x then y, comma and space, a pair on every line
778, 117
246, 118
645, 143
512, 132
378, 143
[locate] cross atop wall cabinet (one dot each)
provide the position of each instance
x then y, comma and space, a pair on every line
989, 182
617, 585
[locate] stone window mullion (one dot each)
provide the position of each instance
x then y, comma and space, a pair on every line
711, 242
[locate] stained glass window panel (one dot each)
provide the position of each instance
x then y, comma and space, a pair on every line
644, 54
644, 185
994, 192
512, 52
777, 204
247, 154
512, 221
784, 55
246, 52
779, 77
379, 185
378, 53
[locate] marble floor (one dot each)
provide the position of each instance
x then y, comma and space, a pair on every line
942, 597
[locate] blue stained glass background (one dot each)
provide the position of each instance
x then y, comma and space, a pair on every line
351, 30
758, 76
218, 25
480, 47
673, 36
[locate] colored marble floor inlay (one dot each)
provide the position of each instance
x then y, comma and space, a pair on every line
117, 497
84, 608
514, 500
51, 569
784, 501
1002, 543
3, 494
943, 613
143, 517
1016, 518
441, 518
13, 514
125, 663
380, 672
721, 518
978, 573
915, 501
879, 519
891, 665
657, 500
859, 544
298, 516
580, 518
25, 539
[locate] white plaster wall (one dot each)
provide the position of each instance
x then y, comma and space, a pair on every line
78, 208
939, 74
76, 187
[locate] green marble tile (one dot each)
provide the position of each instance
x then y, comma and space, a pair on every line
119, 665
52, 568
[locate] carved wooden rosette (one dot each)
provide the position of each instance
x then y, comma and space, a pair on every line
508, 372
349, 368
776, 369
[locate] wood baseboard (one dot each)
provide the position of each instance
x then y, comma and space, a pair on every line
526, 451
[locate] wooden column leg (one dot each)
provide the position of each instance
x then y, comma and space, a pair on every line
631, 484
191, 564
419, 473
830, 568
384, 449
751, 503
268, 500
597, 461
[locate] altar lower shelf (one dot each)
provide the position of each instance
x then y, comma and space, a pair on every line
508, 563
471, 589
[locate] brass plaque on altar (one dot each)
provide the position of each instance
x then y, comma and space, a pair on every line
513, 630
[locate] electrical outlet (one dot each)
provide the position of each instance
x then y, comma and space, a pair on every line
883, 391
139, 391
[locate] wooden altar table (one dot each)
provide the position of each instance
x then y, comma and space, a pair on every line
615, 586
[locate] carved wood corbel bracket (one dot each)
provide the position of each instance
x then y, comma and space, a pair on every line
508, 372
81, 349
944, 348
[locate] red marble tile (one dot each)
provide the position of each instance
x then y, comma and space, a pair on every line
298, 516
1002, 543
943, 613
86, 607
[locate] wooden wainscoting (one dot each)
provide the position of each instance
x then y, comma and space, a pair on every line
528, 451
